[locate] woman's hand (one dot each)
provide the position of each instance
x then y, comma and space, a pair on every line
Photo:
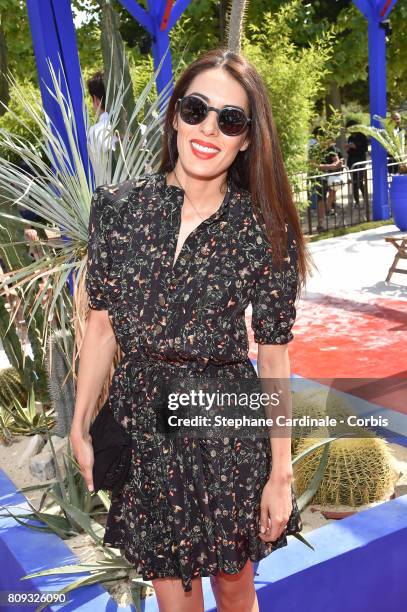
275, 509
83, 450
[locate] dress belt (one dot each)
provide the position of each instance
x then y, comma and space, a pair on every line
139, 360
142, 361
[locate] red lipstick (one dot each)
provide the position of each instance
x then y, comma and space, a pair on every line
203, 154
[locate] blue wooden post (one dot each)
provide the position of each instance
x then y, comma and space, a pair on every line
54, 39
375, 12
377, 93
53, 35
161, 16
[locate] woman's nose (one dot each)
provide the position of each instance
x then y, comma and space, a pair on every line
210, 124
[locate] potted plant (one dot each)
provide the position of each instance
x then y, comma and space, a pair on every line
394, 143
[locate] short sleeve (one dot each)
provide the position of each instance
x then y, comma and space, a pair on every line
273, 298
98, 262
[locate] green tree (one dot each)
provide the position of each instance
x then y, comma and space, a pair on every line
18, 41
396, 56
294, 77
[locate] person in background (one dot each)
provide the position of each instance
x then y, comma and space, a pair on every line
356, 148
393, 168
328, 185
313, 184
99, 137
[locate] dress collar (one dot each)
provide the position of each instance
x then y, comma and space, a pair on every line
177, 194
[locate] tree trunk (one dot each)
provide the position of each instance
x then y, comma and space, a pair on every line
4, 85
333, 98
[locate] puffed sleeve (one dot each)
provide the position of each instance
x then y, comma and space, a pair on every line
274, 295
98, 261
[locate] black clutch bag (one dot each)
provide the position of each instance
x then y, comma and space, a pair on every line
111, 449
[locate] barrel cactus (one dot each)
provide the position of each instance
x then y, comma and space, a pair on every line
359, 470
316, 403
11, 388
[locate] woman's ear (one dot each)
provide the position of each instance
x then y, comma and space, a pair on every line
245, 145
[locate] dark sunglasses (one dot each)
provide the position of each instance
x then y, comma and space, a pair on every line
232, 121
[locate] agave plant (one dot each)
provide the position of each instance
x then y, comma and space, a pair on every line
58, 188
66, 506
105, 571
68, 509
6, 423
23, 419
393, 142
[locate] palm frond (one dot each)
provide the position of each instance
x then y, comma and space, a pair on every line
393, 142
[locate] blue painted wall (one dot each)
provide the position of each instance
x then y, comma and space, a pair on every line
358, 565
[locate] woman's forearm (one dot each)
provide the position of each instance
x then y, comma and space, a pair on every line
275, 372
281, 469
98, 349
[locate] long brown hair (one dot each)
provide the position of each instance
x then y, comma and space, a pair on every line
260, 168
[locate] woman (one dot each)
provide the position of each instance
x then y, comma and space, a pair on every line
174, 260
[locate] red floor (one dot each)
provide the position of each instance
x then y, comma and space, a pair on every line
342, 337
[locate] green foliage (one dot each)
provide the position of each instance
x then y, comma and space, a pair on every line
116, 65
393, 142
342, 231
14, 20
68, 509
293, 77
6, 420
14, 253
329, 131
141, 67
350, 58
16, 120
88, 34
66, 506
196, 31
4, 93
22, 417
356, 112
396, 55
105, 571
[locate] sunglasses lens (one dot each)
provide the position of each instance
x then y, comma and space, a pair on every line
232, 121
193, 110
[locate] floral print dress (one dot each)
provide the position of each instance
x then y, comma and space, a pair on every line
191, 506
